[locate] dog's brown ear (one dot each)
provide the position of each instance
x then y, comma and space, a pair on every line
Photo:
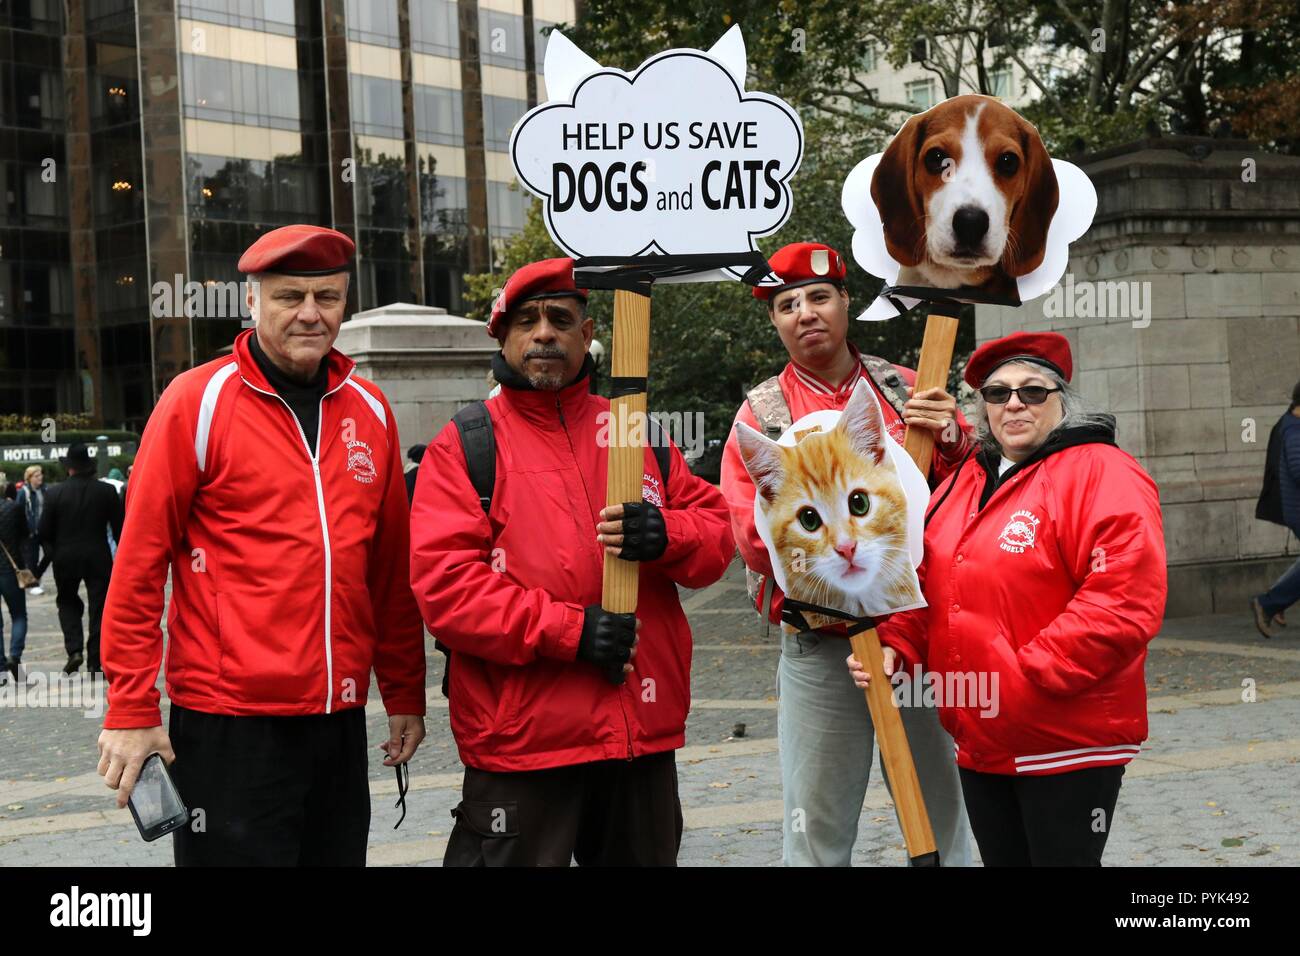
892, 189
1037, 205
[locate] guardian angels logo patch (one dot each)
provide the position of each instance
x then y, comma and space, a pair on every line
360, 462
650, 490
1019, 533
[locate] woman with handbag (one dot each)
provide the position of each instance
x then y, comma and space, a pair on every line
14, 579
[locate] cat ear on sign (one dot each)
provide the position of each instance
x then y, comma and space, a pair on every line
762, 459
863, 422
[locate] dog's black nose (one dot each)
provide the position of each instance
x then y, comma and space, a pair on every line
969, 224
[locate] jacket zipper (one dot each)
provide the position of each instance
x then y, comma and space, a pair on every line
627, 724
324, 526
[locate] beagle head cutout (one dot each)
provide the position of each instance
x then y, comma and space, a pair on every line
966, 201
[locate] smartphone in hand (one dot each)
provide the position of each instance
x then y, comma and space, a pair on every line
155, 802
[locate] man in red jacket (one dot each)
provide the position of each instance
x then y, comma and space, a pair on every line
566, 724
285, 593
823, 724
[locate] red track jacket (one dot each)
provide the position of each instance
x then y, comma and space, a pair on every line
805, 393
289, 575
1053, 586
506, 591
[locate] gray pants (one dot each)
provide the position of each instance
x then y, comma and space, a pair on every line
826, 739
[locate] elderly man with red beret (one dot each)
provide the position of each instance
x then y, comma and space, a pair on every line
566, 723
269, 482
823, 724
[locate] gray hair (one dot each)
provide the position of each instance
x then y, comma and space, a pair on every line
1077, 411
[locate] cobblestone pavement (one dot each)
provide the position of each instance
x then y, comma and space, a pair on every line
1217, 783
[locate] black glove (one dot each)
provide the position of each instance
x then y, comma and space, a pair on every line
644, 535
607, 640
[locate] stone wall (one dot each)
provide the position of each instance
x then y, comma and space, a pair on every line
1197, 383
428, 363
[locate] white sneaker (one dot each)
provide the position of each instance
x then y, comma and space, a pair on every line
37, 590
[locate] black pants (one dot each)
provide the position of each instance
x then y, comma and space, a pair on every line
68, 576
37, 562
1058, 819
274, 791
609, 813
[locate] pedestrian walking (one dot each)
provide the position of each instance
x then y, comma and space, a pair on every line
79, 515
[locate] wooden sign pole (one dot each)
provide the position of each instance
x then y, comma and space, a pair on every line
895, 754
630, 358
932, 372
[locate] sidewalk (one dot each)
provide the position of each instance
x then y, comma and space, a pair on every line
1218, 782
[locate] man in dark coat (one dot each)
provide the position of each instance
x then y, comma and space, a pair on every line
74, 530
1280, 503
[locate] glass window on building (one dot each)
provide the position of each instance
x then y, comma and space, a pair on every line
501, 38
229, 91
114, 95
42, 16
221, 187
381, 196
539, 44
920, 94
43, 202
271, 16
376, 106
439, 116
435, 28
374, 21
869, 58
32, 97
1000, 82
507, 209
500, 114
443, 203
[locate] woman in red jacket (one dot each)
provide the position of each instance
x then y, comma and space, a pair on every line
1045, 579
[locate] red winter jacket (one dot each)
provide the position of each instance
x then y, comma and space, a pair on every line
1050, 582
289, 575
506, 591
806, 393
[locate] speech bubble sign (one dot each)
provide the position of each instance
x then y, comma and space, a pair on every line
674, 158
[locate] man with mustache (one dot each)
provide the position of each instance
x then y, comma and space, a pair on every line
285, 593
823, 724
566, 722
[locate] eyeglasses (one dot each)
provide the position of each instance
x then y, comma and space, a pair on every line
1029, 394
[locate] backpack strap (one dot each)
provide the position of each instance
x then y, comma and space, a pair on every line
771, 411
475, 426
887, 379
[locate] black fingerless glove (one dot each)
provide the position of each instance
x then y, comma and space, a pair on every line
645, 537
607, 640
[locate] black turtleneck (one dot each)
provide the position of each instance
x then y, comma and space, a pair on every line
507, 377
302, 397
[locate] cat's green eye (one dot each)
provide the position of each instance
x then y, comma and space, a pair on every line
810, 519
858, 504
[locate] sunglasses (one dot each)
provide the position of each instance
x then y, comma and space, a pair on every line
1029, 394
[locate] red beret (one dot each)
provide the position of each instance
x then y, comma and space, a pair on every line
545, 279
803, 263
1044, 348
298, 251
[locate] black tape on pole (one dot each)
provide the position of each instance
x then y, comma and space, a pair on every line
620, 385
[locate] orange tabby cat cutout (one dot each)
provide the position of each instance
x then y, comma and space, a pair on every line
841, 509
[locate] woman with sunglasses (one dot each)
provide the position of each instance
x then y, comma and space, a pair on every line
1044, 574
